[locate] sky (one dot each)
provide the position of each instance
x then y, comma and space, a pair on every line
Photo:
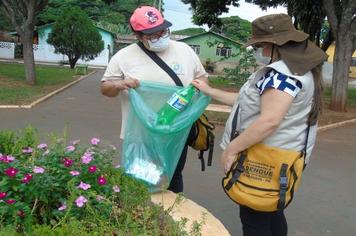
180, 16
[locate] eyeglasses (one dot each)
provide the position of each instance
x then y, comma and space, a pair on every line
156, 36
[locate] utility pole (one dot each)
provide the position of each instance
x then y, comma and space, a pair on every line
157, 4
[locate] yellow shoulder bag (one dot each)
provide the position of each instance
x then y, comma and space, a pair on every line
263, 177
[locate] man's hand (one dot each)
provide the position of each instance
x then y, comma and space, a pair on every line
127, 83
111, 88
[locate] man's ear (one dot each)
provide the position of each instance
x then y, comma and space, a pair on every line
138, 36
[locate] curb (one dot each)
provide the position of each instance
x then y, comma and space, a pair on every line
48, 95
336, 125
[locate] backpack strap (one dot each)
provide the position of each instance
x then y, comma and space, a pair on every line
161, 64
234, 134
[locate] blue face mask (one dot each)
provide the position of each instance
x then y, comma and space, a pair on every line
160, 45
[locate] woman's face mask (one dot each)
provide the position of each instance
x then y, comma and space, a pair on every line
158, 45
258, 54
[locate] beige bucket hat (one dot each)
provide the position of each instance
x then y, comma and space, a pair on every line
277, 29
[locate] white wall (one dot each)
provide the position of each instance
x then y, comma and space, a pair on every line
7, 50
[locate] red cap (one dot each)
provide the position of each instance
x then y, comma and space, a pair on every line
148, 20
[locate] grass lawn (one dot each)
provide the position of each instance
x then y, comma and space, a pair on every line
14, 90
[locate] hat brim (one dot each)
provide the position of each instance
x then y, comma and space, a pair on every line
279, 39
157, 28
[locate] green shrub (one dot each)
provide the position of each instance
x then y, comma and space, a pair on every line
72, 189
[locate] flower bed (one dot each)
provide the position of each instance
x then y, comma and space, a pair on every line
68, 188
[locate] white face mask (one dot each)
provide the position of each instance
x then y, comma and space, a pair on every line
258, 54
160, 45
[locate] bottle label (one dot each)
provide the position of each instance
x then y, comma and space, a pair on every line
177, 102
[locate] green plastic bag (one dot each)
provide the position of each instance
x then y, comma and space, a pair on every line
151, 151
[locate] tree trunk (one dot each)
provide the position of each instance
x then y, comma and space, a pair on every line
28, 57
341, 66
72, 62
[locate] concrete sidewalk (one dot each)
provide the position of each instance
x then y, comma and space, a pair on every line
324, 205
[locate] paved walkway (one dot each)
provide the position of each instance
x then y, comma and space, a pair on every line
324, 205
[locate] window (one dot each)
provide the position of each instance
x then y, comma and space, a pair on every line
223, 51
353, 61
196, 48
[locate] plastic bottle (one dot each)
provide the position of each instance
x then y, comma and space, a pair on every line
175, 105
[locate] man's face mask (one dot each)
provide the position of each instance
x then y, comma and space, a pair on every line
258, 54
160, 45
158, 42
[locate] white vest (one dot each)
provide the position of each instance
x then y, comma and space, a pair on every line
291, 134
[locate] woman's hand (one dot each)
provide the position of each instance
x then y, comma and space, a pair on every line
227, 159
202, 86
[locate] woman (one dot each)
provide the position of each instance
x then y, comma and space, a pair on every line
276, 106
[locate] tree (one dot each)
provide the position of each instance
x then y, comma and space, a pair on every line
189, 31
22, 15
342, 20
242, 71
103, 11
207, 11
75, 35
234, 27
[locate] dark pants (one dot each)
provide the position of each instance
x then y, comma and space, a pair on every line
256, 223
176, 184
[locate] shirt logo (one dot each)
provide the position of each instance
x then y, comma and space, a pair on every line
177, 68
152, 17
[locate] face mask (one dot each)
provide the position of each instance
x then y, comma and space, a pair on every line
260, 58
160, 45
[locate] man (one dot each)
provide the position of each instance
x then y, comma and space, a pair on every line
131, 65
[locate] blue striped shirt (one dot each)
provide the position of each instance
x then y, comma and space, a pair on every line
277, 80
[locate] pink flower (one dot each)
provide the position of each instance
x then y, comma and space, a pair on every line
7, 159
99, 197
21, 213
38, 170
3, 195
27, 150
42, 146
95, 141
26, 178
10, 201
67, 162
116, 189
87, 158
84, 186
80, 201
11, 172
10, 159
74, 172
70, 148
62, 207
101, 180
75, 142
92, 169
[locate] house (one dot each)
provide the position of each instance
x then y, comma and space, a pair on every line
214, 48
331, 50
45, 52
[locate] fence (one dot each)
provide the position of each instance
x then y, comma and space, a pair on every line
7, 50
